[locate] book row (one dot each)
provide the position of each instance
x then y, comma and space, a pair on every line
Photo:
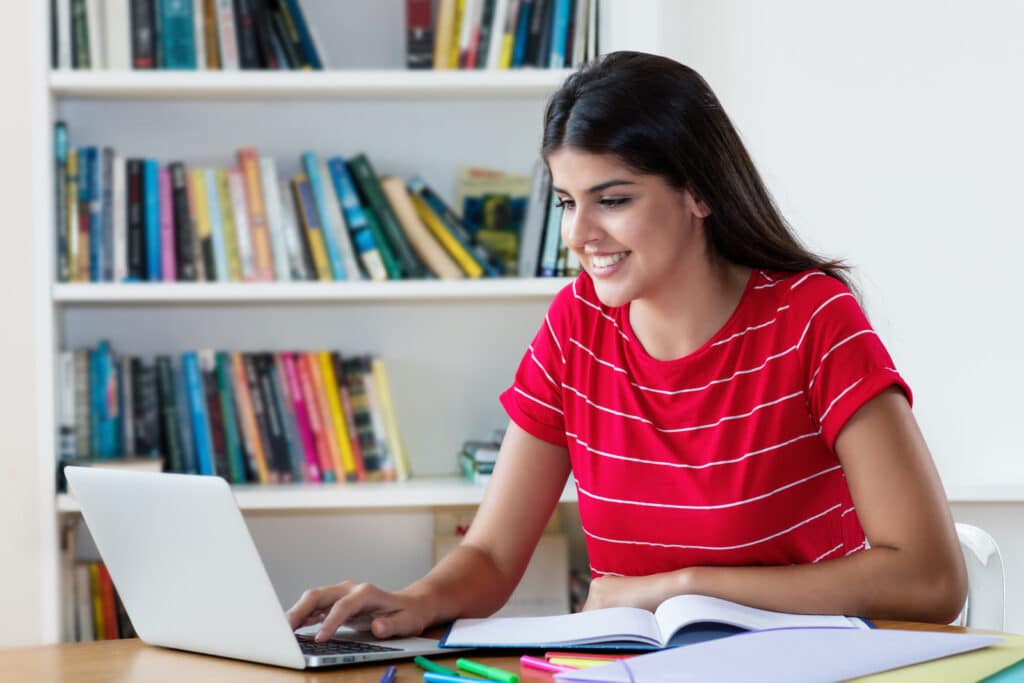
307, 416
183, 34
94, 609
123, 219
500, 34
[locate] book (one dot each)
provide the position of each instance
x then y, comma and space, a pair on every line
808, 655
419, 236
678, 620
368, 184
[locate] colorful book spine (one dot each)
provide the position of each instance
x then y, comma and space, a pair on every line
492, 265
249, 162
184, 230
344, 395
306, 41
197, 407
237, 235
376, 412
60, 146
328, 233
90, 199
469, 265
291, 462
177, 34
99, 628
107, 603
261, 418
401, 458
339, 228
296, 447
106, 190
310, 223
549, 252
295, 241
232, 188
367, 181
324, 413
227, 36
276, 222
302, 417
336, 413
169, 421
378, 263
250, 432
560, 33
71, 226
199, 207
315, 422
210, 203
232, 441
120, 219
168, 265
151, 211
189, 461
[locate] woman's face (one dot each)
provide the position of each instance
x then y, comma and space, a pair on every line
634, 234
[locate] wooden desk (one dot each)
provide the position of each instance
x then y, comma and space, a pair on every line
131, 661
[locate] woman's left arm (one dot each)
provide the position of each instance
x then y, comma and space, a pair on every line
913, 569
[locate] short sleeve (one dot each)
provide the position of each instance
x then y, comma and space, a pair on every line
846, 362
534, 401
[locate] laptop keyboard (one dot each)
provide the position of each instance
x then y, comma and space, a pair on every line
334, 647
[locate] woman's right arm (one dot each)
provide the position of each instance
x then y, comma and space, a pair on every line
476, 578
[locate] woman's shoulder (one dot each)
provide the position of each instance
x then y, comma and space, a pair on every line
802, 290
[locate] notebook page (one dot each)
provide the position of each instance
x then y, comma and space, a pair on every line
683, 610
612, 623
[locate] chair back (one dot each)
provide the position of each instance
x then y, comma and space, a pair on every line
984, 607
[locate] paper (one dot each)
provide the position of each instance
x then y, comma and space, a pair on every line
785, 655
966, 668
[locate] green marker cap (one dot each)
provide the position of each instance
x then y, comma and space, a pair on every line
493, 673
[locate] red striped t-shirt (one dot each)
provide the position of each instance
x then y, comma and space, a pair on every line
722, 457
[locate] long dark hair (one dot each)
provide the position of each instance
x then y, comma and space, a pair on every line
660, 117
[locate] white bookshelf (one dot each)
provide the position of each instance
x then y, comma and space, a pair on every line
423, 492
451, 347
261, 85
410, 290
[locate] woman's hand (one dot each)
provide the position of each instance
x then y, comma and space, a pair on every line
354, 604
646, 592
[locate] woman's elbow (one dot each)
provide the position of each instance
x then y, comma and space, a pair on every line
945, 590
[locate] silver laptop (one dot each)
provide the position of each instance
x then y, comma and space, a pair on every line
188, 573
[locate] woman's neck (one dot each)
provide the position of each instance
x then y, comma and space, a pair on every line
690, 310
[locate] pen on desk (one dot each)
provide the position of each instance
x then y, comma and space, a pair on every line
389, 675
543, 665
493, 673
431, 677
577, 663
584, 655
427, 665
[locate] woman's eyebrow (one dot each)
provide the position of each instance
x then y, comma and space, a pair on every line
600, 186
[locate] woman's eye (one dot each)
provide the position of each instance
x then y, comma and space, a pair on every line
564, 203
612, 202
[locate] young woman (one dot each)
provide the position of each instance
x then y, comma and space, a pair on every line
734, 425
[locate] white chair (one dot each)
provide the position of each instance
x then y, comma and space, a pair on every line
984, 607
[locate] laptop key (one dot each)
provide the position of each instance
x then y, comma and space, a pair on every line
338, 646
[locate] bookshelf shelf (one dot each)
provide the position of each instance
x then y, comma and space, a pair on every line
404, 290
376, 83
426, 492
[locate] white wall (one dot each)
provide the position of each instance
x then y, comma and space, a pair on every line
20, 588
890, 134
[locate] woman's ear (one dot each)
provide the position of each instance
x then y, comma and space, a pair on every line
697, 206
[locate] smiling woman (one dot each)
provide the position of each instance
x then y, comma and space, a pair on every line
735, 426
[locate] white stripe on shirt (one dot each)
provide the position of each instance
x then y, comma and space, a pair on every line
682, 465
714, 547
720, 506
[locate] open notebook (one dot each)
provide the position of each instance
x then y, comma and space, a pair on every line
677, 621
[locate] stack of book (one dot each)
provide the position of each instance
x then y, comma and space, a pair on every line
307, 416
477, 459
183, 34
500, 34
136, 220
97, 609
